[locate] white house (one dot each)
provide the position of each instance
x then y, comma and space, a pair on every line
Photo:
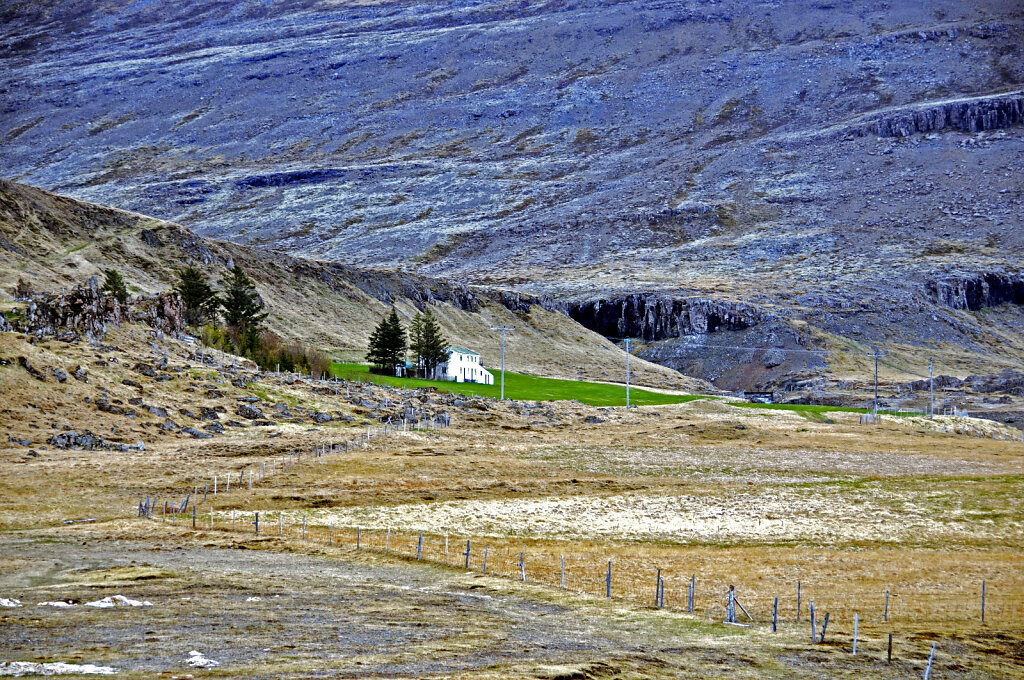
464, 365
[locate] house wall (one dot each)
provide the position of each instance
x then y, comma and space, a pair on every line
462, 368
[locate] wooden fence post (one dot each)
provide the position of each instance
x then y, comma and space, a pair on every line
888, 658
856, 625
467, 553
280, 524
814, 632
731, 607
419, 547
798, 600
522, 568
775, 615
657, 587
983, 602
608, 581
823, 627
885, 616
931, 657
303, 527
256, 523
357, 538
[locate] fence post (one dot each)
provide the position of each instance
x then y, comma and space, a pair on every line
467, 553
823, 627
357, 538
661, 587
608, 581
731, 610
419, 547
885, 616
798, 600
485, 558
657, 587
522, 568
563, 571
814, 633
931, 657
983, 602
856, 625
888, 658
330, 534
303, 527
256, 523
775, 615
193, 515
280, 524
693, 592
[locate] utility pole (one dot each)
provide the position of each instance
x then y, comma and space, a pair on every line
876, 384
503, 330
931, 389
627, 373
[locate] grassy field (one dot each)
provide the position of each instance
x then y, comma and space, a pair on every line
523, 387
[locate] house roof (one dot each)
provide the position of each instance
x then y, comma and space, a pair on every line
463, 350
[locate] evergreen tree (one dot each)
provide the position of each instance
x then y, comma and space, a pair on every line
113, 285
198, 297
242, 304
387, 343
416, 339
433, 346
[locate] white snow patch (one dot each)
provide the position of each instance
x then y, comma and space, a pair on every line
4, 602
117, 600
197, 660
19, 668
57, 603
255, 598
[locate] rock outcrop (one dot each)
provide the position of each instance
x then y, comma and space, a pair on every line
977, 114
974, 292
86, 312
655, 317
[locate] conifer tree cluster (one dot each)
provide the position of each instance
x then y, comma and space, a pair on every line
387, 344
427, 342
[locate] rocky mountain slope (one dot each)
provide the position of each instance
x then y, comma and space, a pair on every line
706, 174
53, 243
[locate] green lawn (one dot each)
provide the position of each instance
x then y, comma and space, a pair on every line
524, 388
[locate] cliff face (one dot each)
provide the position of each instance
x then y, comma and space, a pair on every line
657, 317
978, 291
978, 114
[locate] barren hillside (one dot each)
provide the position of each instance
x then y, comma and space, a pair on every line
708, 174
53, 242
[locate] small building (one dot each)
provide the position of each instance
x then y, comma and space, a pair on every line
464, 365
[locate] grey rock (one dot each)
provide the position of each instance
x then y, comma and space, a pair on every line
195, 434
249, 411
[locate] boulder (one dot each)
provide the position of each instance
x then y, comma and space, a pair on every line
249, 411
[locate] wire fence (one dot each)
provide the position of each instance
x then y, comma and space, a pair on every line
667, 584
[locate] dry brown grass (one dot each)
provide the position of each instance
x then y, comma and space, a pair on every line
756, 498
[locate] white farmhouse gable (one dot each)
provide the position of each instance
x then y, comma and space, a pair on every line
464, 365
